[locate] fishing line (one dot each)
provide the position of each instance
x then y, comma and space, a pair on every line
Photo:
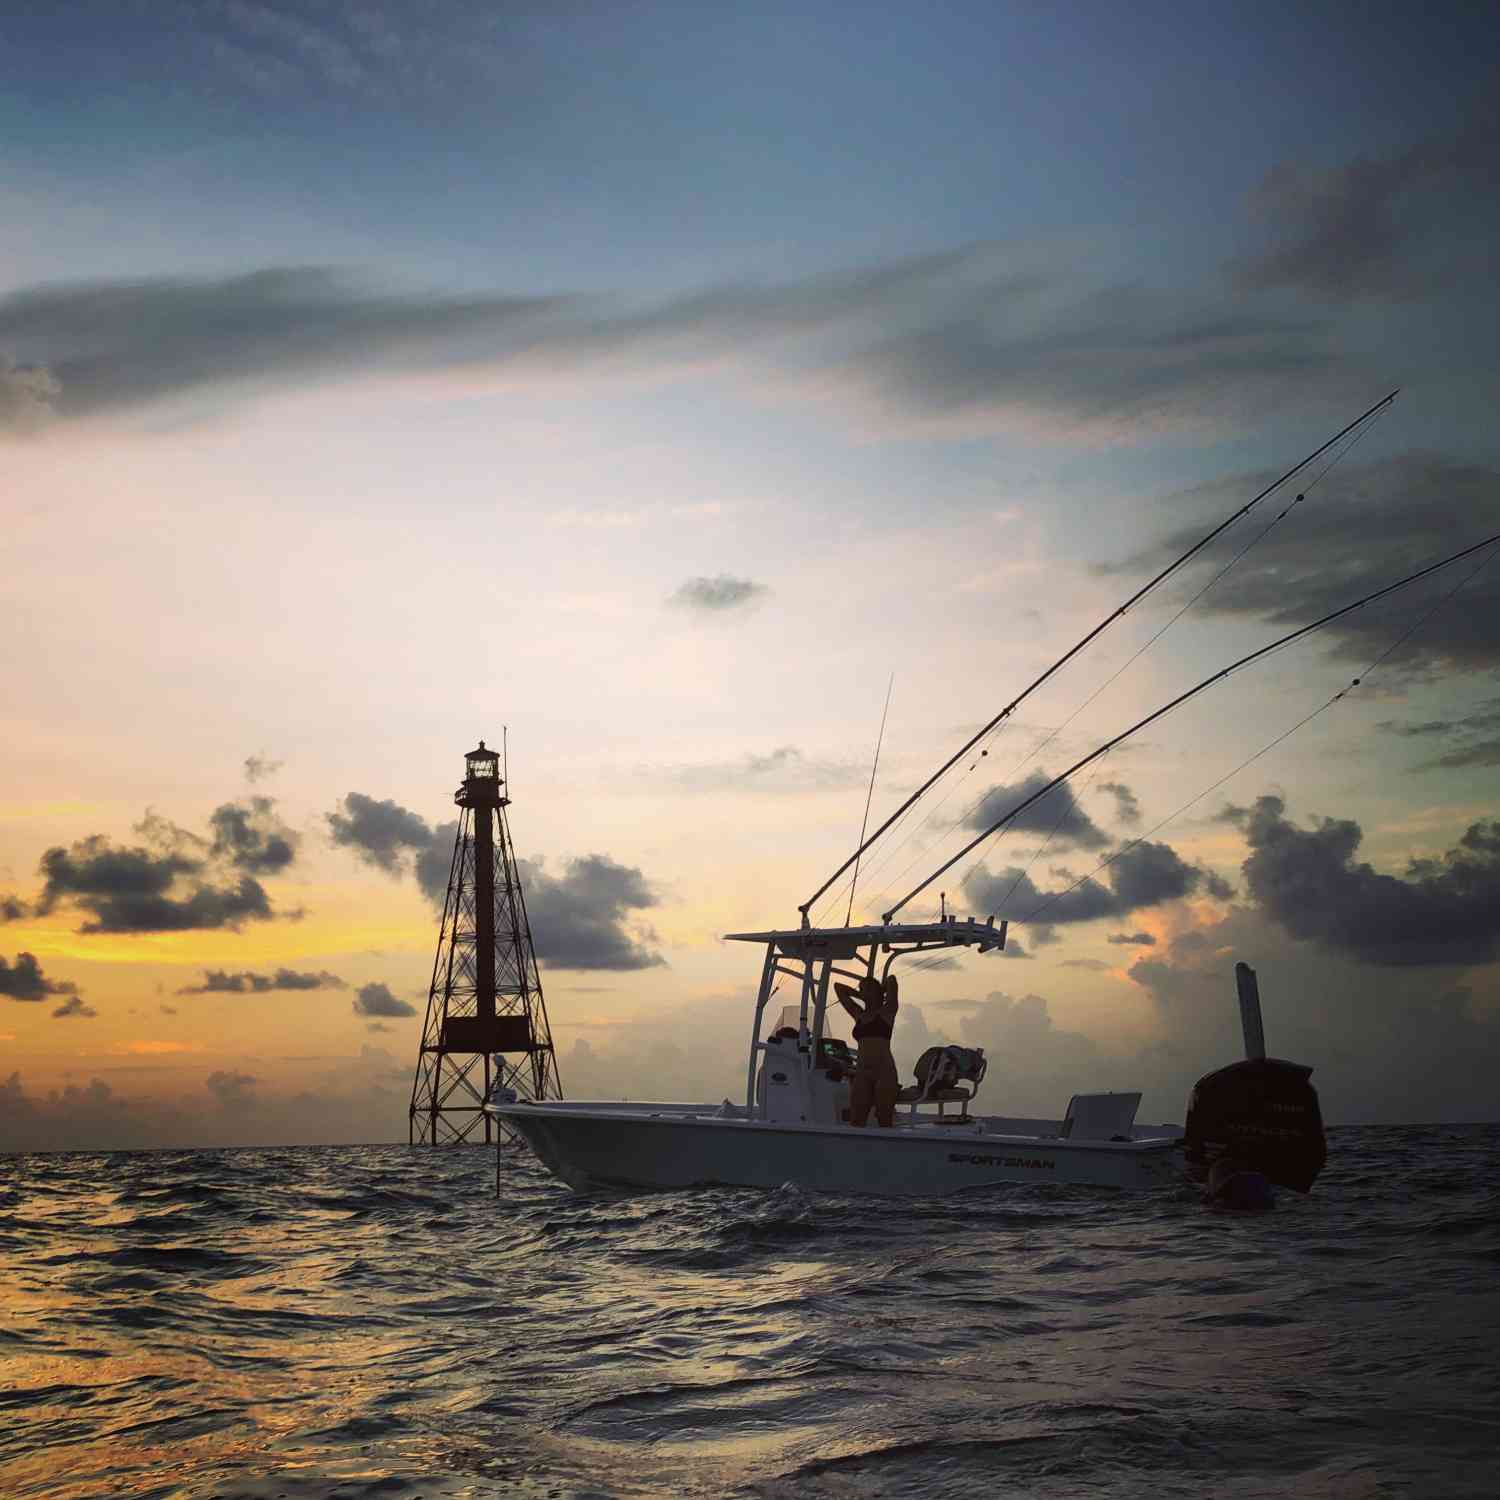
1353, 433
1233, 561
869, 795
1084, 641
1281, 738
1173, 704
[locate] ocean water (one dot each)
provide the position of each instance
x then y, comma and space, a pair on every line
372, 1321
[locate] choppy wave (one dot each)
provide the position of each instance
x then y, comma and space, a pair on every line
339, 1322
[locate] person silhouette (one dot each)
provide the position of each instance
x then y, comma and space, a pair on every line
873, 1006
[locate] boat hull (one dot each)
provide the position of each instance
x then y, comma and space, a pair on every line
665, 1147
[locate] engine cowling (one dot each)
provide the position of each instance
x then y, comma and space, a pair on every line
1264, 1114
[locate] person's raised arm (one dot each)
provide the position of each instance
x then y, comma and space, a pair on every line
846, 994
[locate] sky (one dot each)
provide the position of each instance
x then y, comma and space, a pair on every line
656, 385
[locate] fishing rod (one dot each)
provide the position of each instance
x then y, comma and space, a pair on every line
869, 795
1099, 629
1181, 698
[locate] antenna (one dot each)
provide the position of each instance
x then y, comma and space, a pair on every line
879, 739
1099, 629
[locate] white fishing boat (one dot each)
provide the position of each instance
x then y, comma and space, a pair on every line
793, 1125
1257, 1118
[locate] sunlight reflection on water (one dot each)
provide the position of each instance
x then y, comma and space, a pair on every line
342, 1322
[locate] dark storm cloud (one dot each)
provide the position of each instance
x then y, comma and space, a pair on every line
1385, 227
433, 864
135, 889
581, 919
13, 909
1144, 875
970, 334
1127, 804
222, 982
377, 1000
718, 594
1131, 939
249, 836
1363, 526
74, 1006
24, 980
174, 880
381, 833
1442, 911
1057, 816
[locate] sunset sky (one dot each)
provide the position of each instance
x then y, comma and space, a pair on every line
659, 382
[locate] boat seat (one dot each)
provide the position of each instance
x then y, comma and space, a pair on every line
945, 1075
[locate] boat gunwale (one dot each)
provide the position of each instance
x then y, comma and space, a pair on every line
924, 1134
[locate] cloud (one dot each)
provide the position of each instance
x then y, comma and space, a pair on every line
1443, 911
1110, 364
1143, 875
1094, 965
976, 336
1131, 939
1387, 1043
26, 397
120, 343
174, 880
222, 982
74, 1006
717, 595
377, 1000
580, 919
381, 833
1479, 753
1057, 816
1127, 805
356, 1098
24, 980
784, 769
1473, 742
13, 909
1034, 1064
231, 1089
167, 1010
261, 768
1363, 526
132, 890
251, 837
1374, 227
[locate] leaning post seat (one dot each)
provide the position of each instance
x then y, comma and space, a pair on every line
941, 1073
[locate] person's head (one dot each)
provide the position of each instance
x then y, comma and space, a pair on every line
870, 992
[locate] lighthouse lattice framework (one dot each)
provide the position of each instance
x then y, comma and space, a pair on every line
486, 1020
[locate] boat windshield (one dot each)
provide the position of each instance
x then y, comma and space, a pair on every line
791, 1017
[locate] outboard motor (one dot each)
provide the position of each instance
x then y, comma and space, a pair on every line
1261, 1114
